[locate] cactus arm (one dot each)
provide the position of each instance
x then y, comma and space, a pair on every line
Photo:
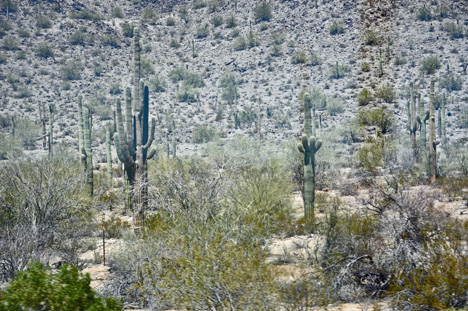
117, 147
300, 147
318, 144
151, 137
151, 154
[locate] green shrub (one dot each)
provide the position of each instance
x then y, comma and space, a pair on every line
198, 4
149, 16
23, 33
202, 31
365, 97
170, 21
386, 93
146, 66
174, 43
44, 50
10, 43
335, 106
276, 50
430, 64
86, 14
365, 67
299, 57
424, 14
229, 82
42, 21
110, 40
78, 38
336, 28
3, 58
9, 5
277, 38
10, 147
338, 71
231, 21
117, 12
187, 93
371, 38
380, 117
451, 82
190, 78
71, 70
455, 31
252, 40
127, 29
262, 11
66, 290
239, 43
217, 20
157, 84
203, 133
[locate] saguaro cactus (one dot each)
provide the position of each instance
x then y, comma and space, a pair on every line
109, 156
43, 118
422, 118
432, 136
442, 120
134, 140
51, 131
412, 121
174, 142
87, 153
80, 124
309, 146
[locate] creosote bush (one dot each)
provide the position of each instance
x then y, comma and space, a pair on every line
380, 117
262, 11
430, 64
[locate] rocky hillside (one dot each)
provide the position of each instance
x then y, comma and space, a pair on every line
210, 63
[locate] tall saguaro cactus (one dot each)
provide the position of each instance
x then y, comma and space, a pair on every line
432, 136
109, 156
309, 146
422, 119
135, 138
413, 121
442, 121
86, 151
51, 131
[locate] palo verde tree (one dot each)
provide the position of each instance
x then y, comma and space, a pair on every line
134, 137
309, 146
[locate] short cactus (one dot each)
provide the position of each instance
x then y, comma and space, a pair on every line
422, 119
309, 146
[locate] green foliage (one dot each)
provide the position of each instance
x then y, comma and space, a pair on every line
202, 31
117, 12
78, 38
430, 64
42, 21
71, 70
190, 78
10, 147
174, 43
9, 5
157, 84
380, 117
187, 93
365, 67
371, 155
203, 133
299, 57
455, 31
365, 97
44, 50
451, 82
127, 29
335, 106
229, 82
217, 20
170, 21
86, 14
424, 14
276, 50
262, 11
336, 28
371, 38
231, 21
66, 290
338, 71
252, 40
110, 40
23, 33
3, 58
146, 66
10, 43
114, 227
386, 93
198, 4
149, 16
239, 43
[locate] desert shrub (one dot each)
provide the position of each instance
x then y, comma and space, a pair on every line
276, 50
203, 133
9, 5
277, 38
67, 289
44, 50
299, 57
174, 43
71, 70
372, 154
3, 58
149, 16
198, 4
455, 31
380, 117
371, 38
336, 28
10, 43
217, 20
231, 21
187, 93
365, 67
229, 82
365, 97
262, 11
170, 21
23, 33
213, 5
252, 40
181, 74
44, 208
10, 147
202, 31
110, 40
430, 64
314, 59
386, 93
157, 84
335, 106
42, 21
146, 66
114, 227
86, 14
239, 43
127, 29
117, 12
451, 82
424, 14
78, 38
